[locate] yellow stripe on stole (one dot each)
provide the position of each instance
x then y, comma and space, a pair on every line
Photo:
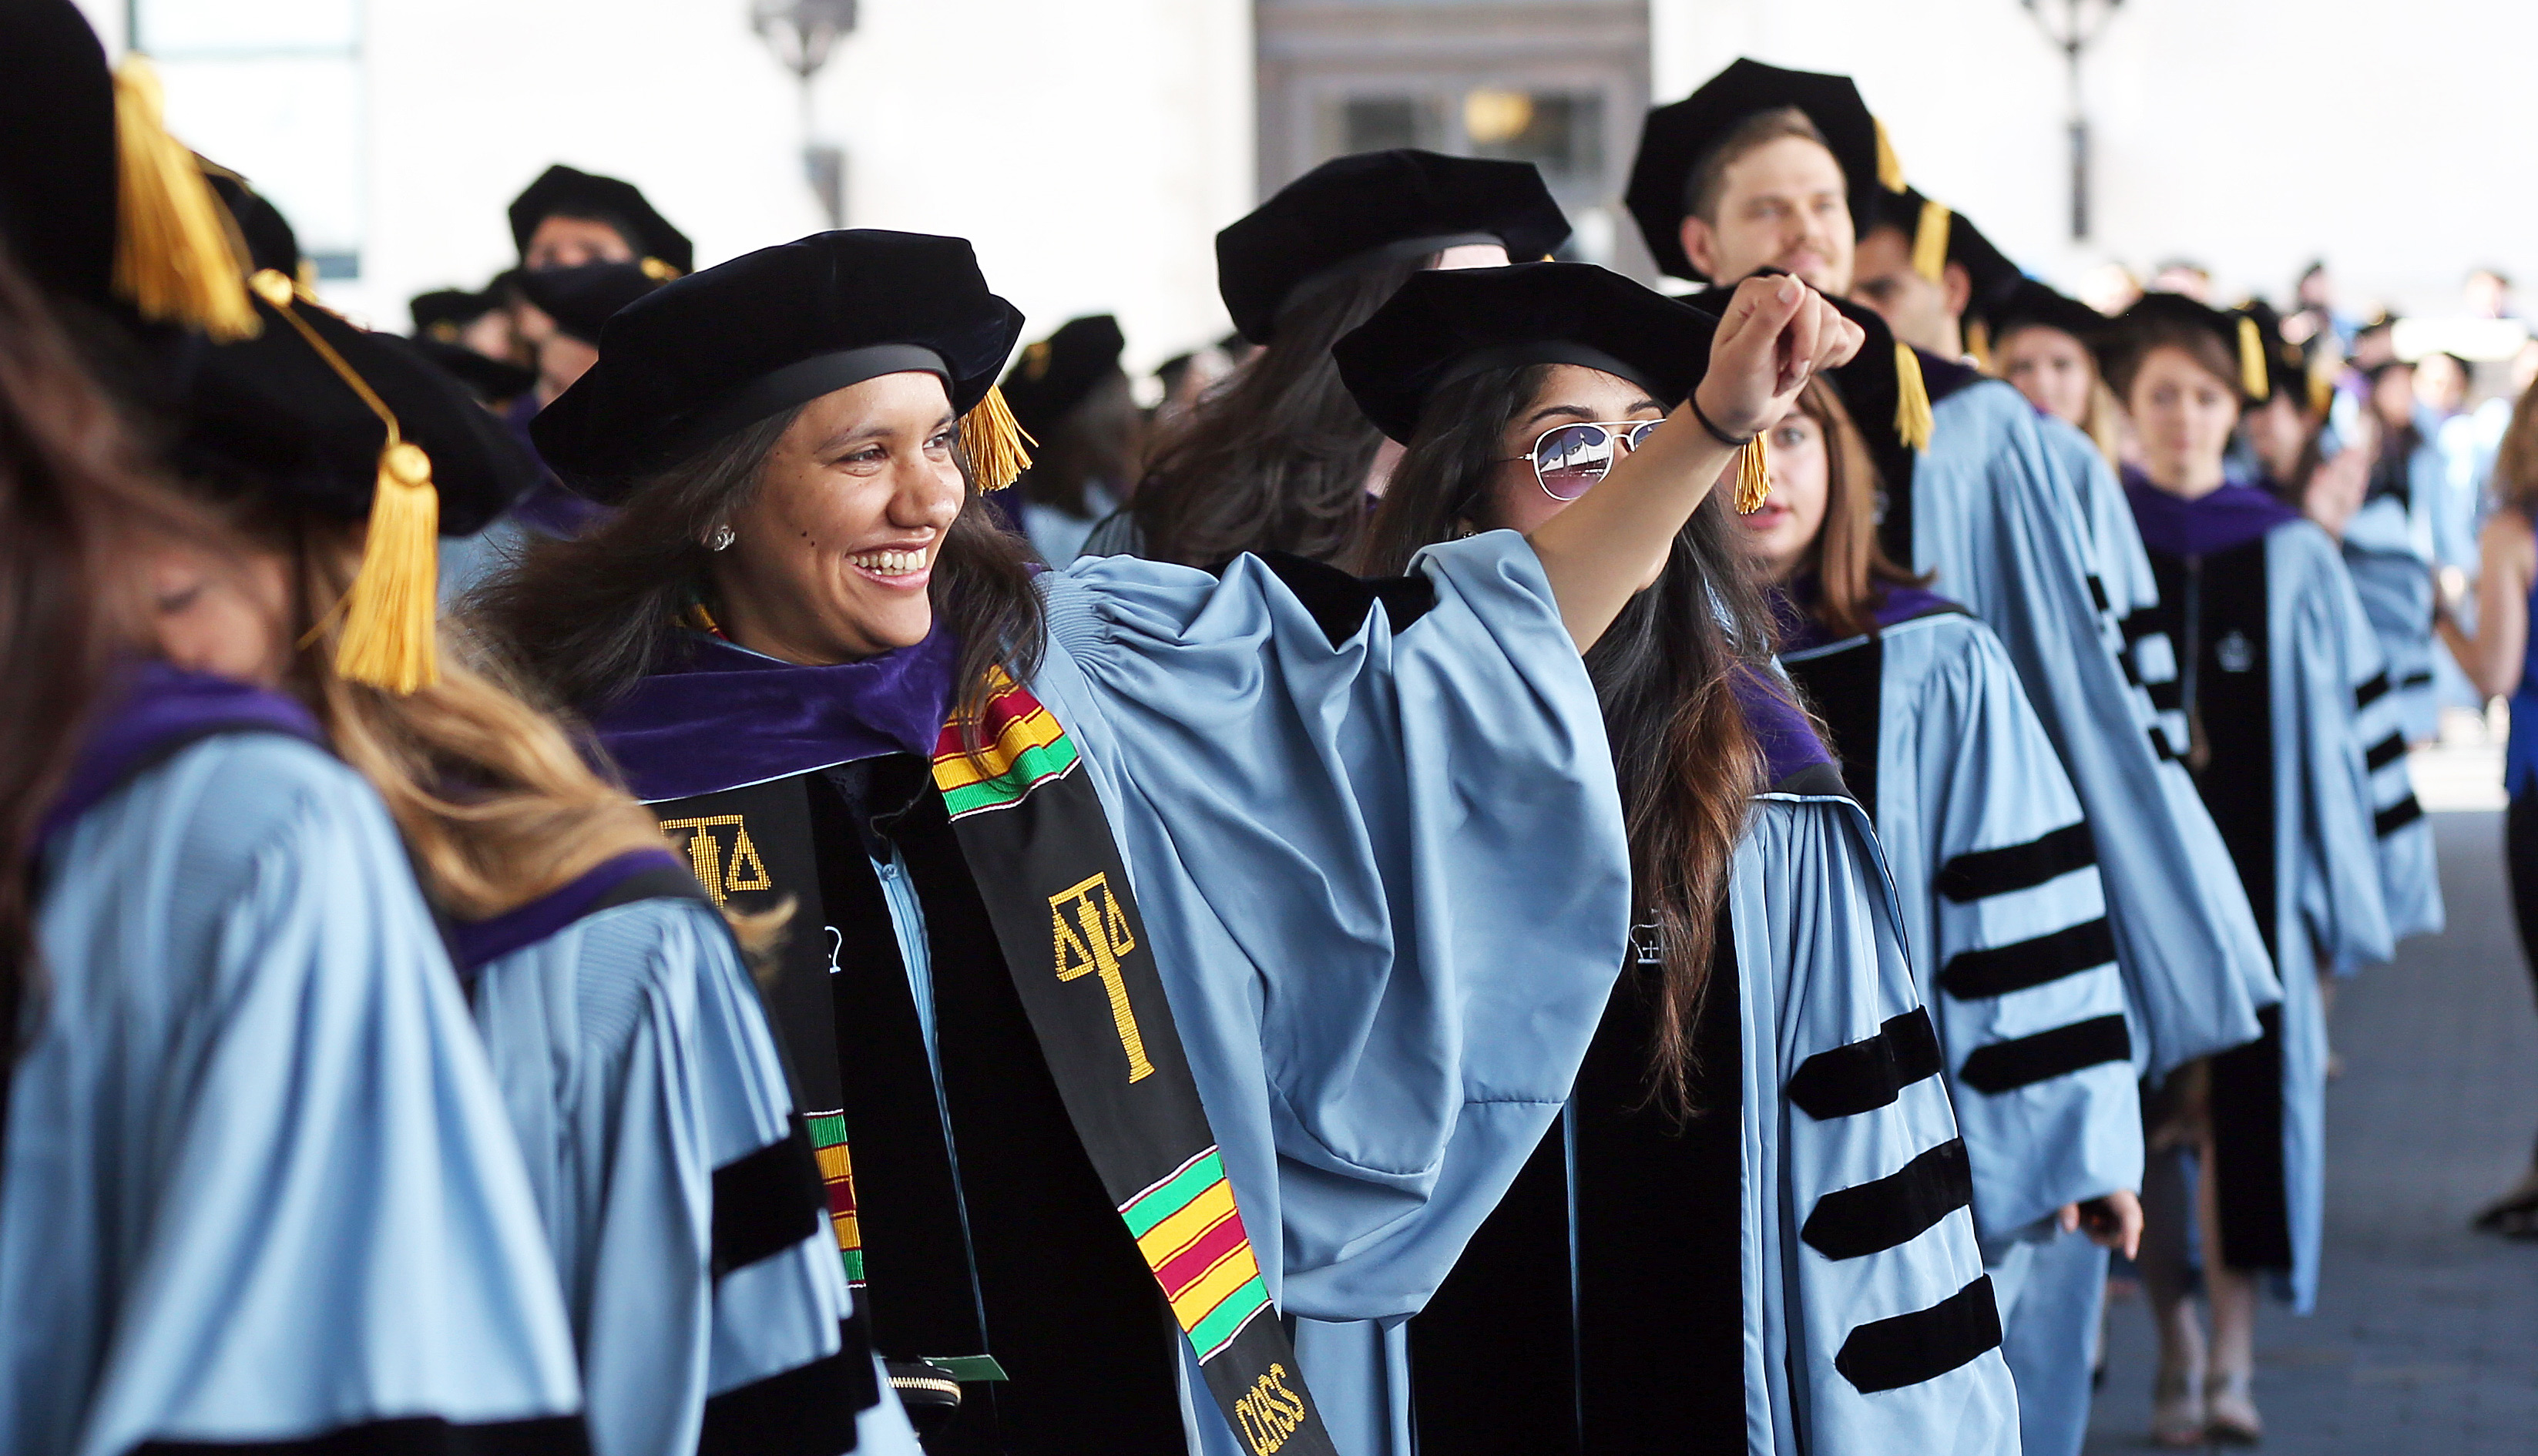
1032, 729
1237, 1268
1183, 1228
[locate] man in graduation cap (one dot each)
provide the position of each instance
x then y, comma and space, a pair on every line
1927, 271
1767, 167
569, 217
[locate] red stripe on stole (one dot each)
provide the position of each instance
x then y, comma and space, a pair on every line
1183, 1269
841, 1197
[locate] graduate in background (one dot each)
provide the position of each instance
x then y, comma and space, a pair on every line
1069, 394
1993, 863
1771, 1247
568, 218
2279, 686
2045, 343
1278, 458
257, 1190
1768, 167
1193, 1010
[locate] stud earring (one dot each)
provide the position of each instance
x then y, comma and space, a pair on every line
720, 539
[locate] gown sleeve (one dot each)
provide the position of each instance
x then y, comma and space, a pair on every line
1991, 514
262, 1188
1374, 833
2020, 968
1870, 1325
2410, 880
2326, 660
656, 1119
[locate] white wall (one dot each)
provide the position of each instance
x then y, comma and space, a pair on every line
2392, 137
1089, 149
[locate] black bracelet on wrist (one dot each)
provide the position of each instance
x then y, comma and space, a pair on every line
1722, 436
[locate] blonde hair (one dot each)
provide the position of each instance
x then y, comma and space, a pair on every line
494, 802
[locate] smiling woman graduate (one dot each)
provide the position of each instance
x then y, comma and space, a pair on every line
1751, 1231
1163, 983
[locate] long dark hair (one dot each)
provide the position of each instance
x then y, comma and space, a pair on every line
76, 508
1664, 674
1853, 570
584, 618
1276, 458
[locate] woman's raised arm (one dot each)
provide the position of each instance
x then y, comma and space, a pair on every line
1778, 332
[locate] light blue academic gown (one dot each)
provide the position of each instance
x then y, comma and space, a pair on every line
259, 1186
1333, 848
2396, 585
1997, 502
636, 1062
2011, 952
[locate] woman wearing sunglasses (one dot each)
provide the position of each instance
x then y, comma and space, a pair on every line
1154, 922
1770, 1237
1995, 873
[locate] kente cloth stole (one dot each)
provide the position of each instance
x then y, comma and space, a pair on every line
1039, 846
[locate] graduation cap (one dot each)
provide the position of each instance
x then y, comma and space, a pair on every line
2028, 303
1941, 237
1676, 139
1056, 375
580, 300
445, 313
717, 351
2286, 367
1354, 213
1888, 399
2242, 336
320, 416
96, 199
267, 233
1443, 327
566, 192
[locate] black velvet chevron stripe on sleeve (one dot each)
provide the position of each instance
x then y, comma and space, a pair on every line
1872, 1217
807, 1411
1909, 1348
2160, 747
406, 1435
2000, 970
2385, 751
2371, 691
2097, 596
2167, 694
767, 1202
2007, 1066
2397, 815
1981, 873
1865, 1076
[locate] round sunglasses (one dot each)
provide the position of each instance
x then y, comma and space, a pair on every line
1569, 459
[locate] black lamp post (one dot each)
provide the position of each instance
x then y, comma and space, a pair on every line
802, 34
2082, 22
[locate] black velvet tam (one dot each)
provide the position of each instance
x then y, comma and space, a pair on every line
1445, 326
269, 418
1987, 268
1675, 139
2150, 311
563, 191
1870, 389
496, 381
444, 313
581, 299
1357, 212
57, 174
270, 241
1054, 374
2028, 303
715, 352
2286, 367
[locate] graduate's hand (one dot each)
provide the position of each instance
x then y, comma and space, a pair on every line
2113, 1222
1776, 334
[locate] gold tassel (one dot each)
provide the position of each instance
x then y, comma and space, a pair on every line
1930, 242
995, 443
2251, 358
658, 270
389, 619
1978, 344
2321, 394
1753, 477
176, 253
1911, 399
390, 616
1890, 167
